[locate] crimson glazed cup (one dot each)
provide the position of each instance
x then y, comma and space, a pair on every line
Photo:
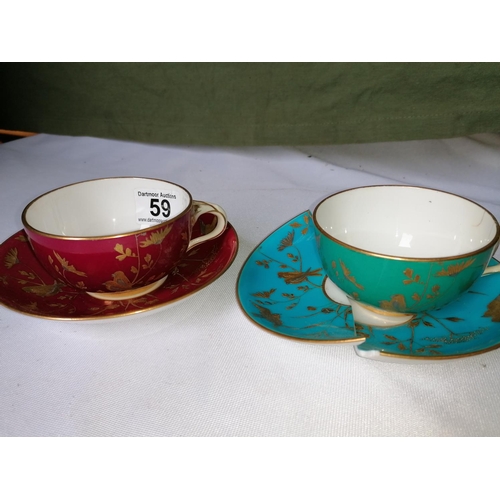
116, 238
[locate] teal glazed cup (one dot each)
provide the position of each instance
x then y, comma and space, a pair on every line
401, 250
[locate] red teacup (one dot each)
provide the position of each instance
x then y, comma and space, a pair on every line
116, 238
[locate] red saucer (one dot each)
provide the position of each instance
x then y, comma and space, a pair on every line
27, 288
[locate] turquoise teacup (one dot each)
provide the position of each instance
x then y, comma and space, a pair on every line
393, 251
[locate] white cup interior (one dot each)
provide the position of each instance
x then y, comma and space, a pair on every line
408, 222
105, 207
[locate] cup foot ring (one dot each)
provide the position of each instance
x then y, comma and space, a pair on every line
128, 294
362, 313
372, 316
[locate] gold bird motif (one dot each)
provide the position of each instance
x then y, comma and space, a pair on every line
397, 303
119, 283
44, 290
296, 277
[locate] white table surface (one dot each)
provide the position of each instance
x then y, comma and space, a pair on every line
200, 367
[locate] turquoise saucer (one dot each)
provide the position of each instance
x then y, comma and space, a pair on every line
280, 288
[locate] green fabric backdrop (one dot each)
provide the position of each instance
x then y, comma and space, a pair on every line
236, 104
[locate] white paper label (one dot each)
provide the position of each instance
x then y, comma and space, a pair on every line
154, 207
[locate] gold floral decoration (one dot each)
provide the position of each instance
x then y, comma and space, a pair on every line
207, 228
266, 314
124, 253
32, 307
264, 295
298, 225
410, 278
349, 277
435, 292
148, 262
493, 310
156, 238
286, 242
454, 269
66, 265
11, 259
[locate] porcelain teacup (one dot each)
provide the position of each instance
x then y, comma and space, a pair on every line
394, 251
116, 238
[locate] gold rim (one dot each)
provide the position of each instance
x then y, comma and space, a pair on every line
492, 243
357, 340
109, 236
438, 358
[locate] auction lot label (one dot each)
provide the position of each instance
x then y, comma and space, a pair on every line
155, 207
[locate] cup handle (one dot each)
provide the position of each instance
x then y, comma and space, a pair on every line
200, 208
491, 270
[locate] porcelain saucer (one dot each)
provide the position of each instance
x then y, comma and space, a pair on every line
26, 288
280, 288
